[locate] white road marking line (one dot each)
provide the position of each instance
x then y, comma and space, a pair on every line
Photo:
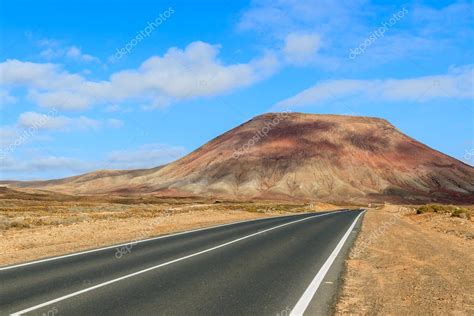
161, 265
307, 296
136, 242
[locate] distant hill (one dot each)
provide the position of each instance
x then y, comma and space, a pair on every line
296, 156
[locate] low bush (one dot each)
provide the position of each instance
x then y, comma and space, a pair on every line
454, 211
4, 223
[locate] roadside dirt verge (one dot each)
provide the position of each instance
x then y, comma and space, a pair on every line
407, 264
38, 224
20, 245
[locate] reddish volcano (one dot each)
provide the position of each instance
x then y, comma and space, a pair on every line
298, 156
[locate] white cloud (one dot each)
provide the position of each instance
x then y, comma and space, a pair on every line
114, 123
48, 42
194, 71
49, 53
178, 74
456, 84
29, 125
425, 31
301, 48
157, 103
282, 17
53, 49
70, 100
45, 164
36, 76
75, 53
8, 135
12, 137
115, 108
40, 121
6, 97
85, 123
57, 163
298, 26
440, 22
146, 156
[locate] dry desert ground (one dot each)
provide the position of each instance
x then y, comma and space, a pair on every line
402, 263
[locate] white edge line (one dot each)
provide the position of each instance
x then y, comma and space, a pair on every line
141, 241
160, 265
308, 294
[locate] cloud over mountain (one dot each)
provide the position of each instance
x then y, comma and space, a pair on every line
194, 71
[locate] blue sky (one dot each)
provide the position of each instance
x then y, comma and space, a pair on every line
88, 85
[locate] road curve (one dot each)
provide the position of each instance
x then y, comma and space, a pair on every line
261, 267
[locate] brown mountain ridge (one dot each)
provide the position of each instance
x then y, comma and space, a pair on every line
290, 156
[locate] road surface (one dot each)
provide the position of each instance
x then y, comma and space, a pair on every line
272, 266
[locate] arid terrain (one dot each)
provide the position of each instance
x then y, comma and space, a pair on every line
295, 156
38, 224
410, 264
402, 262
408, 258
259, 157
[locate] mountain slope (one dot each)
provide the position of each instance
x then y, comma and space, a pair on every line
298, 156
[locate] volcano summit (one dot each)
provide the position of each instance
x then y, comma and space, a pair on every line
295, 156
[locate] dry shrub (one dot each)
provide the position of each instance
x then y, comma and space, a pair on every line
4, 222
454, 211
19, 222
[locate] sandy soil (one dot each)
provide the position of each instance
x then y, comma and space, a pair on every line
407, 264
34, 225
27, 244
401, 263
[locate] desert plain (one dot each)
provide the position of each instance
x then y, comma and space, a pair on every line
407, 258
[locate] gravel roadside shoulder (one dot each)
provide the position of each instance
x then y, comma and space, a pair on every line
406, 264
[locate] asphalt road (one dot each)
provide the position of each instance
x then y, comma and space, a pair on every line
265, 267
